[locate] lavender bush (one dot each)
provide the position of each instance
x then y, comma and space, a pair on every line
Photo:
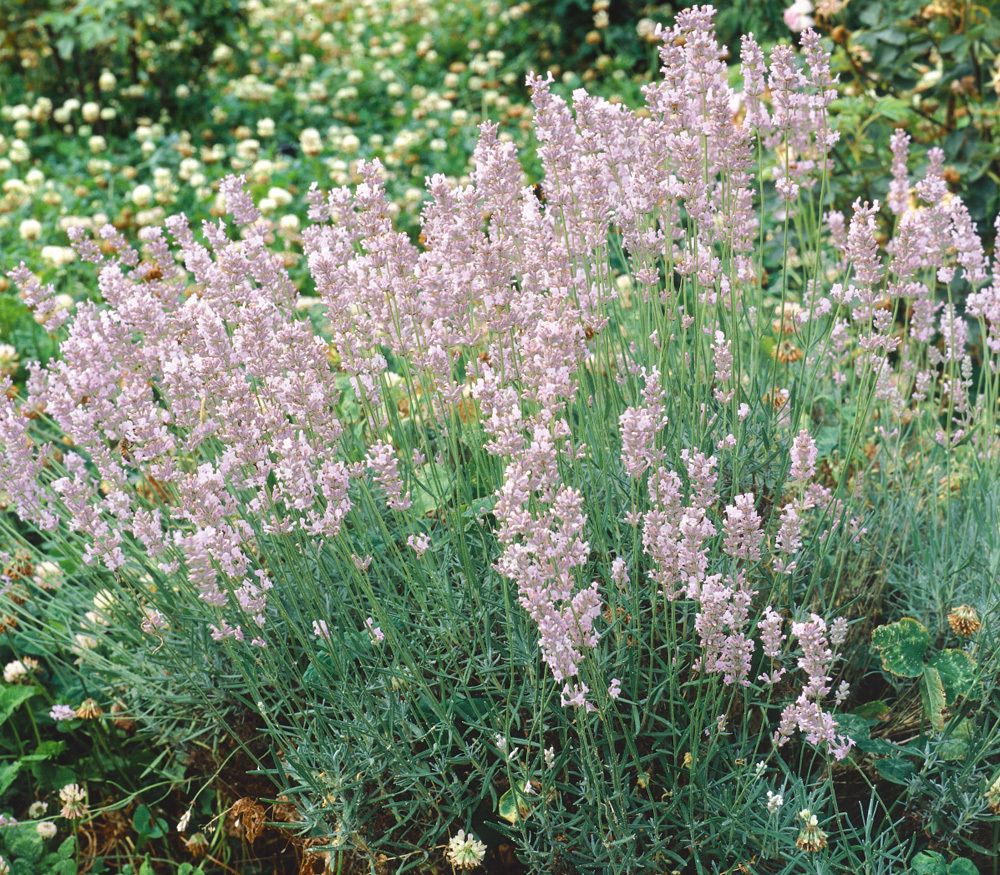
568, 525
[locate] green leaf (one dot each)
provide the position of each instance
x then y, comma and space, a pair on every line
933, 697
952, 43
23, 842
512, 806
893, 108
66, 850
902, 646
895, 769
147, 824
45, 751
433, 482
928, 863
870, 15
955, 745
8, 773
13, 697
877, 710
958, 672
892, 36
962, 866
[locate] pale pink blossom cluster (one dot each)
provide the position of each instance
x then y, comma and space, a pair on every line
806, 713
201, 413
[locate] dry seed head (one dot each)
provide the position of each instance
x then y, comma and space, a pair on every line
811, 839
993, 796
248, 816
964, 621
89, 710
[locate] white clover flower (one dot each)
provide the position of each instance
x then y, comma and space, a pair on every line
15, 672
8, 358
280, 196
37, 809
58, 256
90, 111
46, 829
107, 81
74, 801
288, 225
83, 642
311, 141
30, 229
48, 575
774, 802
142, 195
465, 851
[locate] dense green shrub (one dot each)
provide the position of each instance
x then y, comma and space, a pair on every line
153, 52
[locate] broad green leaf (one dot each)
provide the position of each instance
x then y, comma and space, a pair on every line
45, 751
958, 672
928, 863
893, 108
66, 850
955, 746
877, 710
8, 773
433, 482
23, 842
512, 806
962, 866
892, 36
933, 697
902, 646
13, 697
895, 769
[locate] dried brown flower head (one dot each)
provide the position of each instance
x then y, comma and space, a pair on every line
811, 839
89, 710
964, 621
248, 818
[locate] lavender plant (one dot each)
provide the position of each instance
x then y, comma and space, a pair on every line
567, 525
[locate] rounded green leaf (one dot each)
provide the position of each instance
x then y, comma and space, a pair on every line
507, 807
958, 673
513, 806
928, 863
902, 646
